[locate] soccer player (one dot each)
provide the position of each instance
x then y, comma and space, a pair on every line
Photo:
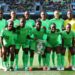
68, 37
8, 38
16, 24
3, 24
22, 40
59, 25
14, 19
57, 20
54, 45
70, 19
37, 35
31, 24
45, 23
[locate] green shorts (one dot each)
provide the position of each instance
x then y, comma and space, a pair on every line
18, 46
52, 45
67, 45
33, 45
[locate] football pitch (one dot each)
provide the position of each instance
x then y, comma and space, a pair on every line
34, 72
38, 73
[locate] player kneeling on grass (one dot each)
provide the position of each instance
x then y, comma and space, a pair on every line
54, 45
8, 42
23, 33
37, 44
68, 37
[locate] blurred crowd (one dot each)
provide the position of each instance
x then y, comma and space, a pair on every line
22, 5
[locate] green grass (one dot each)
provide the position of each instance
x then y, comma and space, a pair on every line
38, 73
35, 64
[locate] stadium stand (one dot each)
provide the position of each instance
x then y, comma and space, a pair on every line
36, 5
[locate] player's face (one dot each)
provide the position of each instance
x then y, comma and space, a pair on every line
10, 25
13, 14
1, 14
68, 28
69, 14
56, 14
38, 25
26, 14
53, 28
43, 15
22, 22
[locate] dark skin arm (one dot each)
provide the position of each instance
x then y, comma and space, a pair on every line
73, 41
1, 41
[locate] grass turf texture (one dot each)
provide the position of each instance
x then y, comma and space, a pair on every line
35, 71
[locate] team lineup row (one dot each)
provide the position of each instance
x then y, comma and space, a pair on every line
42, 36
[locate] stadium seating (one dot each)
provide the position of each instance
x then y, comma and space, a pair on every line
21, 6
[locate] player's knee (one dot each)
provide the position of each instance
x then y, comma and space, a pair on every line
48, 49
31, 54
58, 51
5, 58
43, 55
16, 51
63, 52
72, 52
25, 50
12, 57
12, 51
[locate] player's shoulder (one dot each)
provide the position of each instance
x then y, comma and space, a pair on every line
31, 20
9, 20
66, 20
17, 20
52, 19
4, 20
64, 31
61, 19
34, 28
72, 32
47, 19
4, 30
48, 31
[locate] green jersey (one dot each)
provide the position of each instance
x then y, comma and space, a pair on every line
3, 24
67, 37
52, 39
45, 23
39, 35
30, 23
16, 22
9, 37
59, 23
22, 34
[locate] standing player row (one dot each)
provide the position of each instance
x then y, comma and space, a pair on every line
30, 24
